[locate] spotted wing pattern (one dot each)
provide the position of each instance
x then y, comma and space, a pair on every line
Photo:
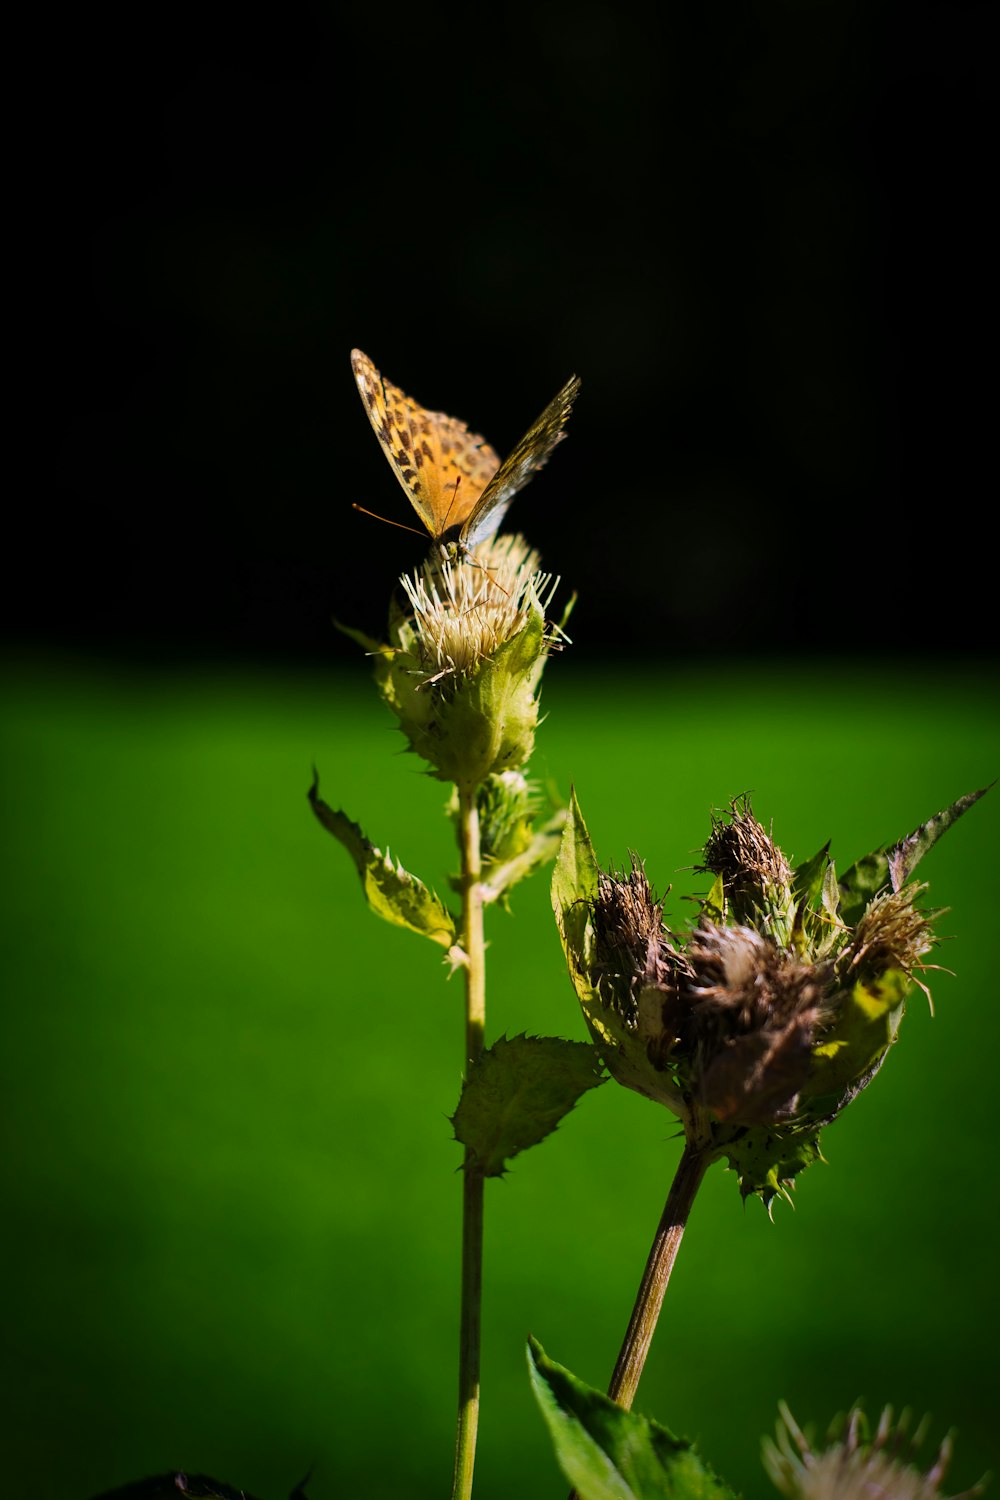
443, 467
524, 460
452, 477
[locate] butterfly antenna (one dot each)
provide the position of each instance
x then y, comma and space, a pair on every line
473, 562
451, 507
495, 581
376, 517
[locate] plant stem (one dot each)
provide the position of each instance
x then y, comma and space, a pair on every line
472, 1190
691, 1169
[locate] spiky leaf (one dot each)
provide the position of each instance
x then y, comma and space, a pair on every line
767, 1159
895, 863
608, 1453
908, 853
517, 1093
391, 892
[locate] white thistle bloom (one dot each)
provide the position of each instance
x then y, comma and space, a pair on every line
853, 1468
464, 612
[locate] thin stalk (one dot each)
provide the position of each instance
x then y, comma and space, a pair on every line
649, 1299
474, 944
691, 1169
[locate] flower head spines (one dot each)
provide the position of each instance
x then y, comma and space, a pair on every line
463, 612
855, 1465
756, 876
892, 933
628, 931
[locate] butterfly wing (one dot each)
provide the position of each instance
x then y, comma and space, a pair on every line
443, 467
524, 460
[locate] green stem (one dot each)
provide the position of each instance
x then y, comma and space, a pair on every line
692, 1167
649, 1299
474, 944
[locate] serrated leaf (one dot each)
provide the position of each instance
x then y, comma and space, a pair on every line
893, 864
767, 1161
391, 892
608, 1453
908, 853
517, 1093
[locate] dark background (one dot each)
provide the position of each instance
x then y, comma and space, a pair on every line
756, 231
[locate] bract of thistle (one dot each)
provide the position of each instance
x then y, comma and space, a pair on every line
465, 654
854, 1465
766, 1019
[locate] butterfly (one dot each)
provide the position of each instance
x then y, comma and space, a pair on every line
452, 477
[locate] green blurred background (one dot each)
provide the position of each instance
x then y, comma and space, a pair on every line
232, 1202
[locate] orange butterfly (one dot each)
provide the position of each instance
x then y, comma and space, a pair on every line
452, 477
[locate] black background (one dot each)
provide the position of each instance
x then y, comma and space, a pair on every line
757, 231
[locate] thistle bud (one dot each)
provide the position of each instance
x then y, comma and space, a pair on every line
462, 666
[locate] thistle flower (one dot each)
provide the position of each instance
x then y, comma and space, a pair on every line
463, 614
760, 1024
853, 1465
465, 654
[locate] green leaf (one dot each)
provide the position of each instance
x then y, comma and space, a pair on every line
908, 853
864, 1027
713, 906
574, 890
544, 846
575, 886
574, 879
367, 643
391, 892
517, 1093
608, 1453
767, 1160
809, 877
894, 864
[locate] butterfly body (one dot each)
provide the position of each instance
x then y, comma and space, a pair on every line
452, 477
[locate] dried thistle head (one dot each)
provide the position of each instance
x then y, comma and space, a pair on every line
774, 1011
893, 933
753, 877
628, 931
753, 1013
741, 850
